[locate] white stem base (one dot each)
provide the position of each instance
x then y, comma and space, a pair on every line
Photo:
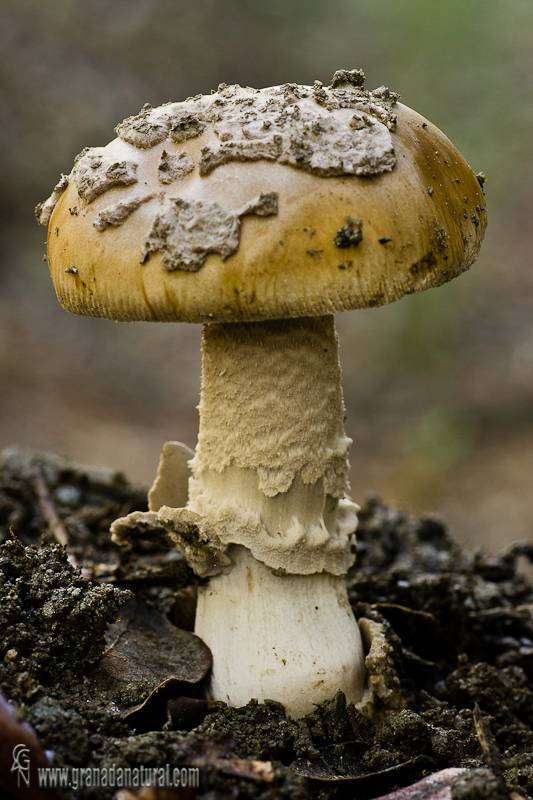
291, 638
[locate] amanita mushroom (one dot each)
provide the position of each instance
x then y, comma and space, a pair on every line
261, 214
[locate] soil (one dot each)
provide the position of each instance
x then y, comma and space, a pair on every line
459, 628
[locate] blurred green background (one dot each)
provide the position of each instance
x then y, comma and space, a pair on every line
438, 387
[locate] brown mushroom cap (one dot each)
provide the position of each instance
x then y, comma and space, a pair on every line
248, 205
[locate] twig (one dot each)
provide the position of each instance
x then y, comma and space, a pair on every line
490, 750
47, 506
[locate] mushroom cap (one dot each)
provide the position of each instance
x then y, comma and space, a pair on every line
250, 205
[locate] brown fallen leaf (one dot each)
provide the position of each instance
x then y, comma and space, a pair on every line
152, 714
342, 763
145, 647
185, 713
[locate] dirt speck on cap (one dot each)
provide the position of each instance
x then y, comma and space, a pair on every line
118, 213
174, 167
187, 231
186, 126
351, 234
291, 124
43, 211
95, 173
141, 130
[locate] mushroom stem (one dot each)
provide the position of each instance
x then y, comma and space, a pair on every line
270, 474
291, 638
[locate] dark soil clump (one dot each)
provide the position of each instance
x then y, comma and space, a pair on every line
53, 621
460, 629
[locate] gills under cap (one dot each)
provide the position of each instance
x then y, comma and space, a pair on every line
255, 204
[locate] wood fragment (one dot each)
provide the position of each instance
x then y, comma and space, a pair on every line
47, 506
491, 752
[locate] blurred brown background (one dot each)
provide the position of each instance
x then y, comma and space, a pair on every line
438, 387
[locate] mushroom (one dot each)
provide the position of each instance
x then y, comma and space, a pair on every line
262, 213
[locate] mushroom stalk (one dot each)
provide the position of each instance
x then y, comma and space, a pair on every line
291, 638
270, 476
